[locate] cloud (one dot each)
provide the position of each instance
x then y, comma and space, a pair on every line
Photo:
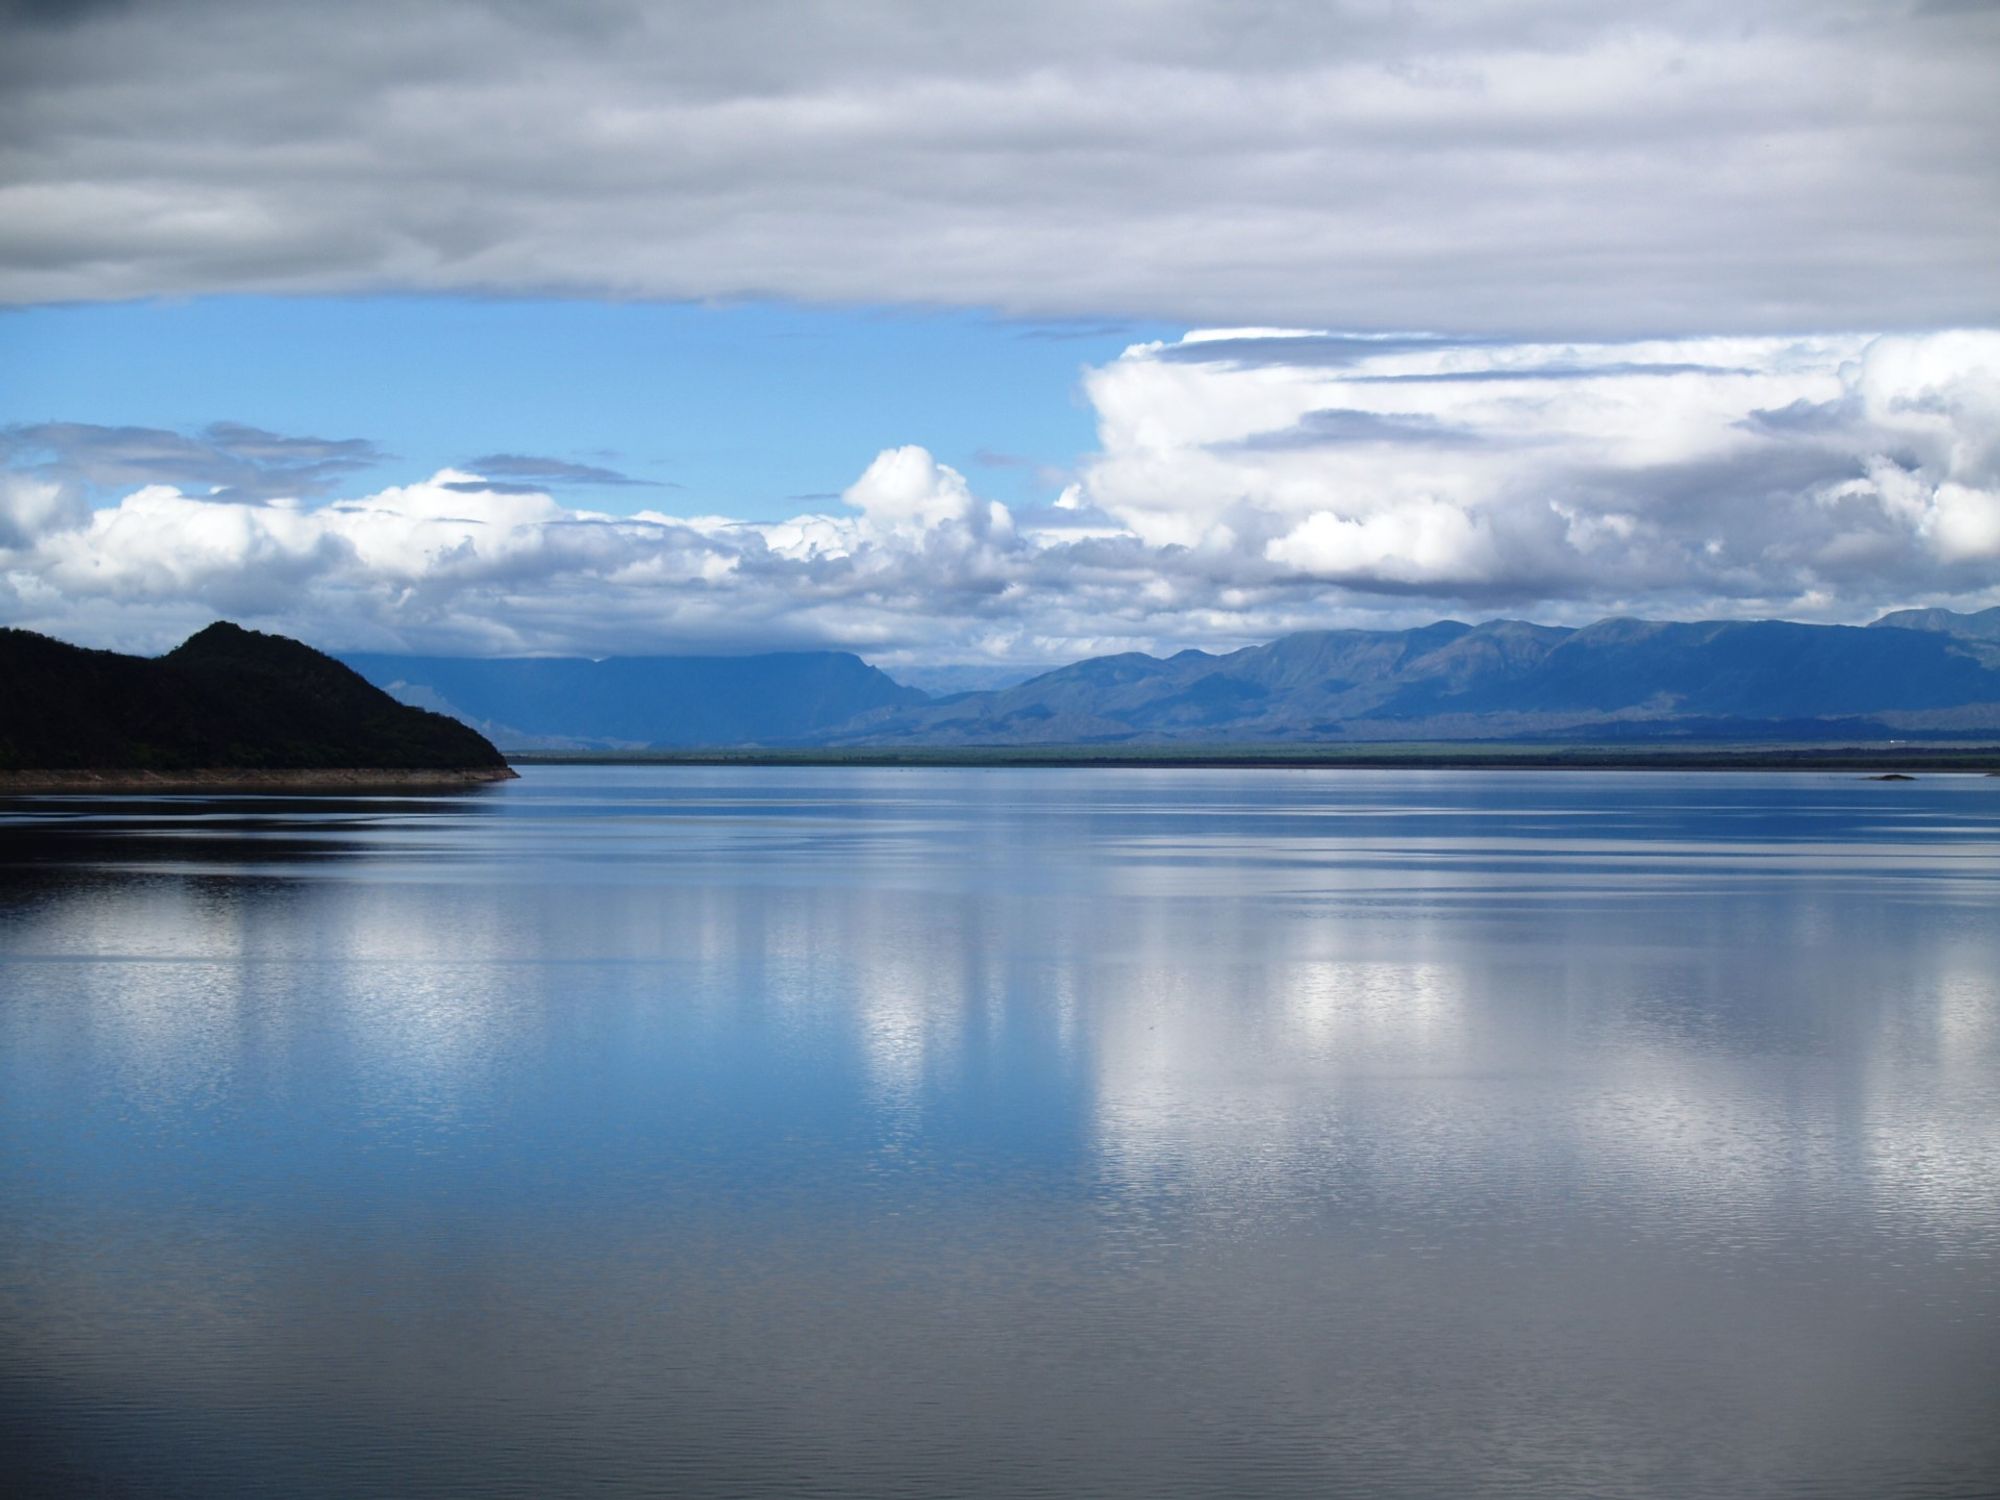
31, 506
1228, 501
907, 493
528, 467
228, 460
1424, 542
1696, 475
1332, 425
456, 562
1768, 166
494, 487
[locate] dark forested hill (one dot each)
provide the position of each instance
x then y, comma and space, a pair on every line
225, 699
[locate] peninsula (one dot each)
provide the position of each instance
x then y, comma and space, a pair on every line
227, 708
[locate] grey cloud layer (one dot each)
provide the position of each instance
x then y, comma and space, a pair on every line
1230, 499
227, 460
1694, 166
528, 467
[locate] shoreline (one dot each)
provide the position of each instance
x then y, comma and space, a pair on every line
1897, 758
248, 779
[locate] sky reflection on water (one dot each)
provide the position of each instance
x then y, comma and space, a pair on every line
1015, 1132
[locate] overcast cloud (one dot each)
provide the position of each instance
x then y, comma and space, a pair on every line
1245, 484
1543, 170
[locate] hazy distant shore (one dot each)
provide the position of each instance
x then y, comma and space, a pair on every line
1908, 758
240, 779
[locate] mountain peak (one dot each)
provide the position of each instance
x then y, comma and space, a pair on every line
226, 641
1978, 625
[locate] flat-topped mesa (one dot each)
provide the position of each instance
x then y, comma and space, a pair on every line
227, 704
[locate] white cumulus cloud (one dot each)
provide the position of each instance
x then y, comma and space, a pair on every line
1245, 483
905, 493
1694, 474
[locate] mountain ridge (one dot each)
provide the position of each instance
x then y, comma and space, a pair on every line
1978, 625
1910, 673
1502, 679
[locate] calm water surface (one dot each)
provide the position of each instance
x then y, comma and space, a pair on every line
940, 1132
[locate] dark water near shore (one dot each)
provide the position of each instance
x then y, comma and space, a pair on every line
966, 1132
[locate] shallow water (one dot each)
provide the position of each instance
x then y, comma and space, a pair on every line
1038, 1132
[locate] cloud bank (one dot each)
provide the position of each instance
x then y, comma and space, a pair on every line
1508, 168
1721, 475
1245, 483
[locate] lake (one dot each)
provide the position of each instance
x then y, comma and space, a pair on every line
928, 1132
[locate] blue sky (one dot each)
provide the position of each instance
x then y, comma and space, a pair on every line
973, 335
748, 410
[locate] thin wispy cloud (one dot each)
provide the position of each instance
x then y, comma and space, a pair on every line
226, 460
530, 468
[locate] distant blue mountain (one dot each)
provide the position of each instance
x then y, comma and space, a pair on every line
1506, 679
1981, 626
528, 702
1916, 673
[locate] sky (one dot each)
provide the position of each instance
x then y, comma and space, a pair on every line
990, 335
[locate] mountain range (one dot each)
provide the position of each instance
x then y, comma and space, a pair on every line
1916, 673
628, 702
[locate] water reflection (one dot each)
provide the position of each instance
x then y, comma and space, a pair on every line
927, 1131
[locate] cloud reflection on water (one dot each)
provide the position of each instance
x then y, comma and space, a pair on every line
855, 1109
